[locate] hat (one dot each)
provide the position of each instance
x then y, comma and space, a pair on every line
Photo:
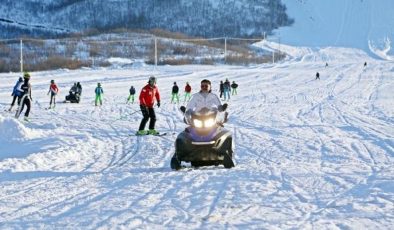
152, 79
26, 75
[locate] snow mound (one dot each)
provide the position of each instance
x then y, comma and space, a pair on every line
306, 54
117, 60
383, 50
12, 130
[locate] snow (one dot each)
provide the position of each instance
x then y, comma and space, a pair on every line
350, 23
309, 153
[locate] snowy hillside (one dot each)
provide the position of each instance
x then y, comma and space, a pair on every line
207, 18
363, 24
310, 154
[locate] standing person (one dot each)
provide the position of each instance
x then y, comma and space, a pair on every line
53, 89
174, 93
326, 64
16, 93
79, 88
25, 97
188, 90
365, 64
147, 97
226, 89
317, 76
234, 87
205, 98
131, 96
99, 92
221, 88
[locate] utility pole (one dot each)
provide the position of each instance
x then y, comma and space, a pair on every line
155, 51
21, 58
225, 49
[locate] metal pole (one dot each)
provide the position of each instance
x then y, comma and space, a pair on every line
273, 56
225, 49
21, 58
155, 51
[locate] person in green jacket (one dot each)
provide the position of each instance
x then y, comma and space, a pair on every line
99, 92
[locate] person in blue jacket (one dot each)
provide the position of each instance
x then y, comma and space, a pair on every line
16, 93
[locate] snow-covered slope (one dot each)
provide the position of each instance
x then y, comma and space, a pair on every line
310, 154
363, 24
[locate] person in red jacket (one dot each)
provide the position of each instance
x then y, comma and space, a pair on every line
188, 90
53, 90
148, 94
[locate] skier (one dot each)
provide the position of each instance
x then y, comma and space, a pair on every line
234, 87
99, 92
26, 96
147, 97
131, 96
188, 90
174, 93
317, 76
79, 88
204, 98
326, 64
221, 89
226, 89
365, 64
53, 89
16, 93
74, 88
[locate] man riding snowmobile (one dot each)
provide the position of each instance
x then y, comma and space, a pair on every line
204, 142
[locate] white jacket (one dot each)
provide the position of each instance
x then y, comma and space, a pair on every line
201, 100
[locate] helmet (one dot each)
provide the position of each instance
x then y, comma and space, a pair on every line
26, 75
20, 79
174, 82
99, 84
52, 81
152, 79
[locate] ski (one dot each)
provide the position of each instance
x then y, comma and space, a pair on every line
158, 135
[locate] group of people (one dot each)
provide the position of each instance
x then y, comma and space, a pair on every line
318, 74
150, 93
148, 97
175, 93
22, 93
225, 88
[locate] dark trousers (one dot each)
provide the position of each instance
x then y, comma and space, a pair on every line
147, 113
26, 102
221, 93
52, 98
14, 99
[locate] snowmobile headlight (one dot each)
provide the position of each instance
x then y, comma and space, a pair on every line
197, 123
209, 123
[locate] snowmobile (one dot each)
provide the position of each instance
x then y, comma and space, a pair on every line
74, 95
204, 142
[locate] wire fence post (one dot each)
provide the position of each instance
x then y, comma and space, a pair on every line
225, 49
21, 58
155, 51
273, 56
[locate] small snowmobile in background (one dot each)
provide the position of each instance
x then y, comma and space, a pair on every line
74, 95
205, 141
